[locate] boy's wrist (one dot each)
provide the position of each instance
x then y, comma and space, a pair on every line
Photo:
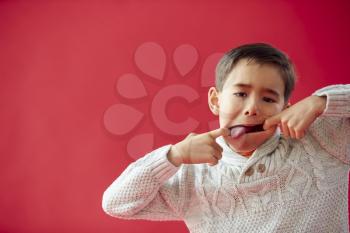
174, 156
320, 103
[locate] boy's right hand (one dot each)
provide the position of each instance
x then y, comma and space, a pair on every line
198, 148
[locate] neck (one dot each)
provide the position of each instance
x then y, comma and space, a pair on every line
246, 153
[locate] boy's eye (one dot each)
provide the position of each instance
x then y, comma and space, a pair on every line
269, 100
240, 94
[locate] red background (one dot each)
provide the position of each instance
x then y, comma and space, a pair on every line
59, 62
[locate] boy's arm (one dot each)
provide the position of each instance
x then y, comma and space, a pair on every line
332, 128
147, 189
325, 114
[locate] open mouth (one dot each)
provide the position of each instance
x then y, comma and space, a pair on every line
238, 130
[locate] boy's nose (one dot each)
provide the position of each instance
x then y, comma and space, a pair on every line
251, 110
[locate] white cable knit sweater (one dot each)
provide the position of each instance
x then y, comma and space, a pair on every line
287, 185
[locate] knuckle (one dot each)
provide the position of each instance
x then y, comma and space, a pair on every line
298, 129
214, 160
284, 121
191, 135
215, 155
213, 150
219, 156
301, 133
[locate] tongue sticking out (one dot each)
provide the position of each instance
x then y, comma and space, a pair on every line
237, 131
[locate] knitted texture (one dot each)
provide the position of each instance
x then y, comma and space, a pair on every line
287, 185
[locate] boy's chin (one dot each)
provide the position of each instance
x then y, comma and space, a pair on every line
248, 142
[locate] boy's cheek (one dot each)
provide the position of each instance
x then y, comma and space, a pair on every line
227, 115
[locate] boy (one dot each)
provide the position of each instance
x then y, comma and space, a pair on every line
246, 176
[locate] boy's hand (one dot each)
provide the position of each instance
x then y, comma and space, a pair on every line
198, 148
296, 119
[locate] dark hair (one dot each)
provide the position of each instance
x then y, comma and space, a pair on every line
260, 53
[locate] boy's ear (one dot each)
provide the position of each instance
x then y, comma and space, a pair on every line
213, 100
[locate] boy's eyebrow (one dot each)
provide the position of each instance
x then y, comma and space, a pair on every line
269, 90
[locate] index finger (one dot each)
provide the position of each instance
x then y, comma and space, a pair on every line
218, 132
272, 121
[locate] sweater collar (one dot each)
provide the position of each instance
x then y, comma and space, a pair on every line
231, 157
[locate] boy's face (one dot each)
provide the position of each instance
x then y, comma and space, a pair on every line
251, 93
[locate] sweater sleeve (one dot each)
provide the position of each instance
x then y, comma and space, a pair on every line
332, 128
150, 188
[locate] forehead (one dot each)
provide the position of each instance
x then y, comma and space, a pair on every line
258, 76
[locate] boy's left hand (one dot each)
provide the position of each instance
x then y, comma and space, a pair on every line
296, 119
